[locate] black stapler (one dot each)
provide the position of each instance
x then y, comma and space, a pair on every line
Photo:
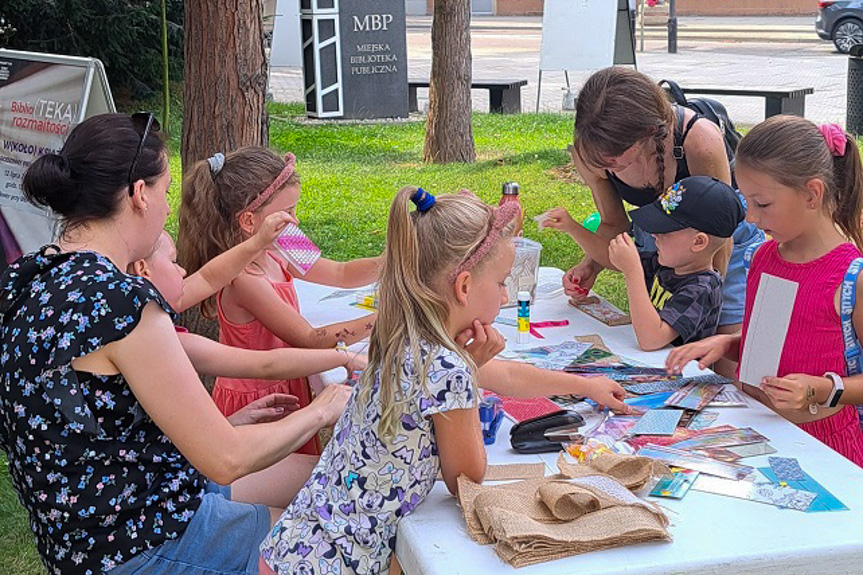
544, 434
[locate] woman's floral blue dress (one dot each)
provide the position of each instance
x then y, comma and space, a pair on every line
99, 479
344, 519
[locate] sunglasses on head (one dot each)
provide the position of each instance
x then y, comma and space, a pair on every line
144, 123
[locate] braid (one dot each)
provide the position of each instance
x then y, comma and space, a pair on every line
659, 137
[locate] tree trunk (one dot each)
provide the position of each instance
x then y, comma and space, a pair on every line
224, 93
448, 131
225, 78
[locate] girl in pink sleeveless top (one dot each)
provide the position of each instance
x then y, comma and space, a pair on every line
803, 186
232, 394
225, 200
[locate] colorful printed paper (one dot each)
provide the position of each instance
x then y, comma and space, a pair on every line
657, 422
695, 462
742, 436
694, 396
769, 493
824, 500
297, 248
729, 397
601, 310
552, 357
786, 468
648, 387
702, 420
752, 450
520, 409
675, 486
645, 402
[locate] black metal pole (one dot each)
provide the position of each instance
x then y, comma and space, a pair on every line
672, 27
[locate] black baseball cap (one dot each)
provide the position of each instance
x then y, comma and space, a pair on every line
705, 204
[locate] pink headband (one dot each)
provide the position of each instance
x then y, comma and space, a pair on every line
835, 137
261, 199
502, 216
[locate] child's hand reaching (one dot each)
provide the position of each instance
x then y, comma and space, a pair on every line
608, 393
482, 342
707, 351
271, 227
624, 255
556, 219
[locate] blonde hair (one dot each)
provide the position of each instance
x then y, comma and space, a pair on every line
792, 151
421, 250
209, 223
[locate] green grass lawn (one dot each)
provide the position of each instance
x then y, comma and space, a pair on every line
349, 175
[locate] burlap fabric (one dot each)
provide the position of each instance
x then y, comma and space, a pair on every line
632, 471
576, 511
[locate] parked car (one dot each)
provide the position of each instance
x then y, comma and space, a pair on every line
842, 22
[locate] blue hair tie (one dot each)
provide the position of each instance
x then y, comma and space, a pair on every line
423, 200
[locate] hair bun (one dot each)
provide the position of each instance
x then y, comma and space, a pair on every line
49, 183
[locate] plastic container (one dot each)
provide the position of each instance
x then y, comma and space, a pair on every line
525, 270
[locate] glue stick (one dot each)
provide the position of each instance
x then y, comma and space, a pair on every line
523, 317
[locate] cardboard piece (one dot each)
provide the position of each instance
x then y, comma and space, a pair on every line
768, 326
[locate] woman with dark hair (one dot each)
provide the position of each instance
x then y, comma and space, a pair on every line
114, 446
630, 145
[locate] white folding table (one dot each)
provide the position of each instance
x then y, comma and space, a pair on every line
713, 534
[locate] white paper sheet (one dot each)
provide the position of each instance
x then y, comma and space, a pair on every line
768, 326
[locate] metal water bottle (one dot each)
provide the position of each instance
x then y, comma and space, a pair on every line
510, 194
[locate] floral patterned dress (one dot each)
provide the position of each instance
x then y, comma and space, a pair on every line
344, 519
99, 479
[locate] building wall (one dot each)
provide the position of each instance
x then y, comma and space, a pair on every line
746, 7
684, 7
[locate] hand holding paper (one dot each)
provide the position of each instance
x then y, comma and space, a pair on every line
768, 326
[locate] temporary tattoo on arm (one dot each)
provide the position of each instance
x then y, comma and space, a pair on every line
345, 333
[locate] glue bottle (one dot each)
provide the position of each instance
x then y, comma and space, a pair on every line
510, 194
523, 317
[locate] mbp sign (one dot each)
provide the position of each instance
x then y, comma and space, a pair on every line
374, 59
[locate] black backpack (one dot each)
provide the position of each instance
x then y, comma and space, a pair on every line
703, 108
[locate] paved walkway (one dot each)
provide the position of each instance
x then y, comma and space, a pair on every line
509, 48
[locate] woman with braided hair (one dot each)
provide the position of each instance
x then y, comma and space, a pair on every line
630, 144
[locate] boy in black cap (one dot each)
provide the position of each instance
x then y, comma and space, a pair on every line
675, 295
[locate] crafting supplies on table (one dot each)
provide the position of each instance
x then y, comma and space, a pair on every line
745, 535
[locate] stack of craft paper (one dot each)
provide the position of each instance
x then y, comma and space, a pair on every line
581, 509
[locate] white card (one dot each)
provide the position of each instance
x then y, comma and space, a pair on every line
768, 326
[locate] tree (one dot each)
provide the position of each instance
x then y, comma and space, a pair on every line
225, 87
224, 93
448, 130
125, 36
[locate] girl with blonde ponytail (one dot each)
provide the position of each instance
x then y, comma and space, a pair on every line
414, 411
226, 200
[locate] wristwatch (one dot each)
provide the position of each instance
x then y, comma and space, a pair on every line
838, 390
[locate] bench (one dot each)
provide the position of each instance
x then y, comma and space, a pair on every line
776, 101
504, 96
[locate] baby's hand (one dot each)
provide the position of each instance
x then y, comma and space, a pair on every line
271, 227
623, 254
556, 219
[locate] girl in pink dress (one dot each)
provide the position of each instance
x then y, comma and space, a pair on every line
804, 187
225, 200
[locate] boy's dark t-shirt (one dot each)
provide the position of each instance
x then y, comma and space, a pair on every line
690, 304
